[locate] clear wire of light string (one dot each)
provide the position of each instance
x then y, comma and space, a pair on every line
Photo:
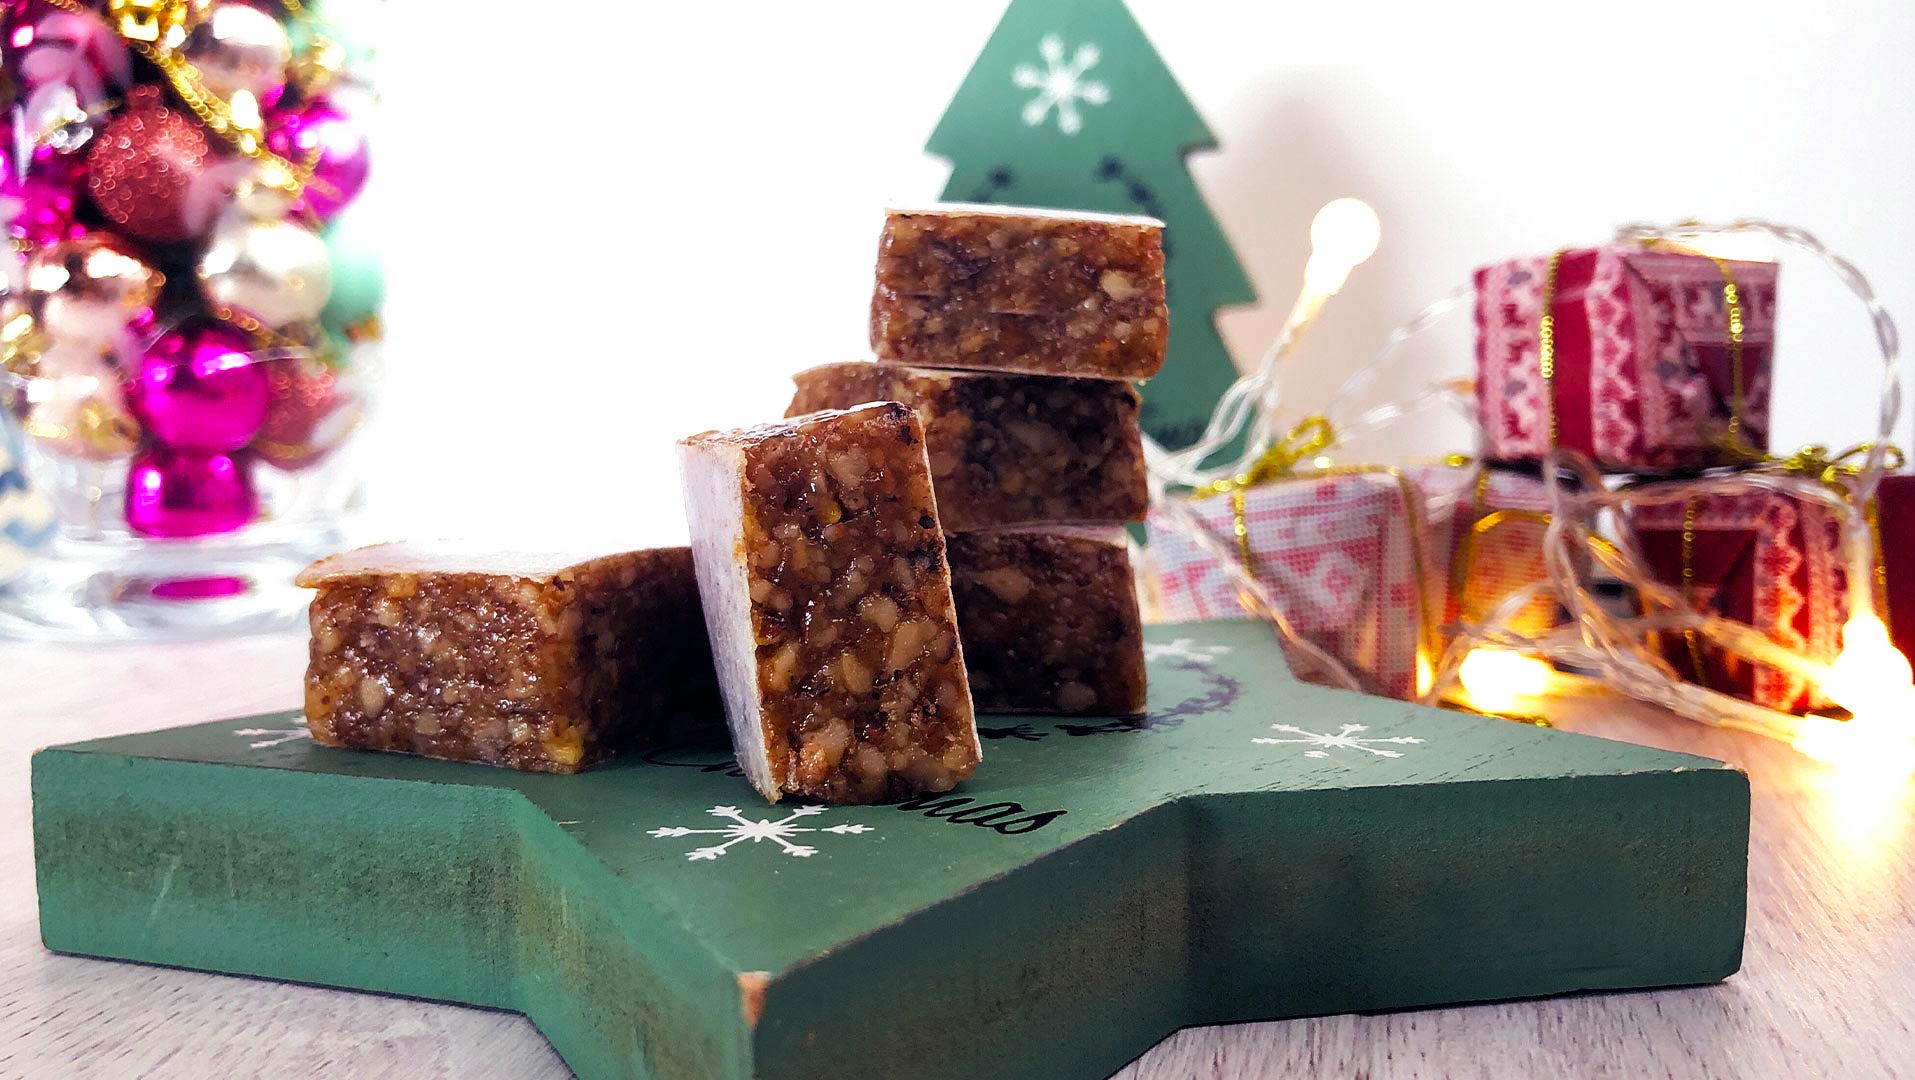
1587, 532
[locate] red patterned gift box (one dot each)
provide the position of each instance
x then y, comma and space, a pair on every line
1894, 521
1489, 543
1762, 558
1342, 553
1650, 359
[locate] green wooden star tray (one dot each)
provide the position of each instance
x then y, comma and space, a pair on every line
1254, 848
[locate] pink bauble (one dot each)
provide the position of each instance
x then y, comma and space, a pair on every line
53, 47
201, 389
176, 493
318, 136
37, 196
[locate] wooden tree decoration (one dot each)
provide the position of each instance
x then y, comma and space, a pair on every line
1069, 106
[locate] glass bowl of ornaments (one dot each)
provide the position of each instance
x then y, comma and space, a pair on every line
189, 310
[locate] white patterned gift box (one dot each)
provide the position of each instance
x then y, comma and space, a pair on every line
1486, 538
1343, 553
1656, 358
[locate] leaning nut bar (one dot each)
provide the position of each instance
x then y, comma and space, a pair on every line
828, 600
1050, 620
1007, 449
1042, 292
534, 662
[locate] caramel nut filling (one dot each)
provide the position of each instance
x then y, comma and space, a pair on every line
1050, 620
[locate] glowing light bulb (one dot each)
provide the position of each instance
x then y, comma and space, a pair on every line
1865, 746
1501, 681
1342, 235
1870, 677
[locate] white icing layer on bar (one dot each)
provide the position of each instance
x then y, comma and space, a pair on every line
715, 510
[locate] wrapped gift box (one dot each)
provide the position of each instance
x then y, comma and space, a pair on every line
1343, 554
1766, 559
1488, 542
1644, 371
1895, 549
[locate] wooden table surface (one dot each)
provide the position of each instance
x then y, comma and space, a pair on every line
1827, 986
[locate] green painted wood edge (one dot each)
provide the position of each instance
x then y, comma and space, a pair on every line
1234, 907
1208, 908
440, 891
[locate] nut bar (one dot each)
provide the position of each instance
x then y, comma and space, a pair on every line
535, 662
1007, 449
1049, 619
1041, 292
826, 593
1017, 260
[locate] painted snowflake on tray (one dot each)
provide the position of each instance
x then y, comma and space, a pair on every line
1185, 649
1060, 85
742, 828
1350, 738
274, 736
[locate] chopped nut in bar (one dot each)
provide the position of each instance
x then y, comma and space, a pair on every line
534, 662
1007, 449
827, 596
1049, 619
1036, 291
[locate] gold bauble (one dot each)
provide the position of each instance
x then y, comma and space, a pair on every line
275, 271
88, 289
73, 407
154, 22
316, 69
235, 48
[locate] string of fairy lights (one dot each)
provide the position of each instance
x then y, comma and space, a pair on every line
1488, 663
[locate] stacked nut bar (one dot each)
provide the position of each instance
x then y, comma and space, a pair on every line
537, 662
999, 288
1015, 334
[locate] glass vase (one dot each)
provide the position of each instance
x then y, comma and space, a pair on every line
189, 309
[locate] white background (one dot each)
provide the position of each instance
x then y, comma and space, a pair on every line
613, 224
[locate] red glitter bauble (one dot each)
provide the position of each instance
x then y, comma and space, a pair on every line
143, 166
310, 414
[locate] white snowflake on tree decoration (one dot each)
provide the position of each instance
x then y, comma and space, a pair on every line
742, 828
284, 735
1060, 85
1186, 649
1350, 738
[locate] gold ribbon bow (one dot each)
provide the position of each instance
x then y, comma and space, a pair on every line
1832, 470
1311, 436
